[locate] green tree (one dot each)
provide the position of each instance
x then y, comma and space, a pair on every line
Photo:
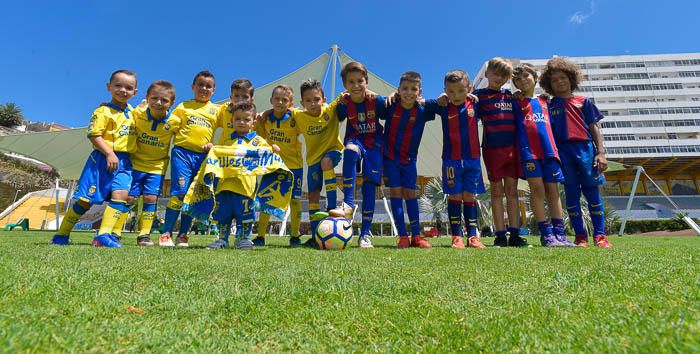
10, 115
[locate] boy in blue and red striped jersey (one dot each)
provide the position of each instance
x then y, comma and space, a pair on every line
539, 157
495, 109
403, 130
363, 141
580, 143
461, 165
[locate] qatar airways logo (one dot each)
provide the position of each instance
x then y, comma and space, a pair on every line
537, 117
505, 106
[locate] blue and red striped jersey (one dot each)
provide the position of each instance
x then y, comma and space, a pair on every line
403, 131
460, 131
495, 109
363, 121
571, 117
535, 138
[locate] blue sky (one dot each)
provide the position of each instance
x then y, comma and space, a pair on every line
57, 58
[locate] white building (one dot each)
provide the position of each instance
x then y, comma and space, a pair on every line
651, 105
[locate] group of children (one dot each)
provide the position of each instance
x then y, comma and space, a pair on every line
547, 140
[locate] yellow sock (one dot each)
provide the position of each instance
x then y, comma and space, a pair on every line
70, 219
146, 223
263, 221
295, 216
122, 219
112, 215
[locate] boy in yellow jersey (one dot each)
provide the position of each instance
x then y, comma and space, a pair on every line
319, 125
192, 142
107, 172
279, 127
242, 90
155, 127
234, 196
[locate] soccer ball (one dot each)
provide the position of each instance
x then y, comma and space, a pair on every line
333, 233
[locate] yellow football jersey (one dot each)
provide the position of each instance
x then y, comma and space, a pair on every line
285, 133
321, 134
153, 141
197, 124
243, 185
223, 121
115, 126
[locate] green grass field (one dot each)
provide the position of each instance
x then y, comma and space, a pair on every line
644, 295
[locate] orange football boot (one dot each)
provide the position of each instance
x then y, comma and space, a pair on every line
602, 241
404, 242
581, 240
420, 242
457, 242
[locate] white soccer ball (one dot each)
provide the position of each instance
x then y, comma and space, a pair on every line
333, 233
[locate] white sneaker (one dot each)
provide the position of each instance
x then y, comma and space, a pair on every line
349, 211
165, 241
365, 242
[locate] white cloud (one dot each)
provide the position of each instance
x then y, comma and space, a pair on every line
580, 17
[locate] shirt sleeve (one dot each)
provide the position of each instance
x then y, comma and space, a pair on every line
591, 114
98, 124
520, 126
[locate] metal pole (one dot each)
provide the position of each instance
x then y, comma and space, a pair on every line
7, 221
334, 49
629, 202
57, 222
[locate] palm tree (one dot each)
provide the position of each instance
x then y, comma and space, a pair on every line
10, 115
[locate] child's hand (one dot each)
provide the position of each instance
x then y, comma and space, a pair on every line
472, 97
393, 98
442, 100
206, 147
344, 98
601, 161
370, 95
546, 97
112, 162
518, 95
420, 100
143, 104
275, 148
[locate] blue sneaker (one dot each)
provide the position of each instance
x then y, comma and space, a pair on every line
115, 237
244, 244
550, 241
259, 241
60, 240
295, 242
564, 241
311, 243
218, 244
105, 240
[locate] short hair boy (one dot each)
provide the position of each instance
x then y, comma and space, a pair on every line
461, 165
107, 172
242, 90
191, 144
403, 131
235, 196
281, 128
580, 142
155, 127
539, 156
318, 123
363, 144
500, 154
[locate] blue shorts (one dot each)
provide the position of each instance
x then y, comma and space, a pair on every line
314, 174
296, 185
400, 175
459, 176
577, 161
96, 184
233, 206
183, 169
548, 169
370, 160
146, 183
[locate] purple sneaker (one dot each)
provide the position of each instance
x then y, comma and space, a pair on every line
562, 239
550, 241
